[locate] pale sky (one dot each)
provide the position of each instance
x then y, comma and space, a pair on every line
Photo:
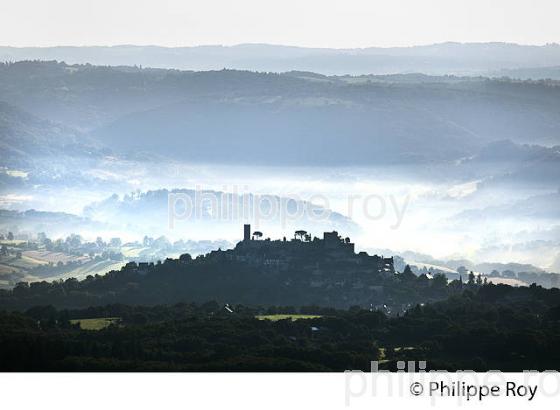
317, 23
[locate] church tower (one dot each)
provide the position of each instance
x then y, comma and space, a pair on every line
246, 232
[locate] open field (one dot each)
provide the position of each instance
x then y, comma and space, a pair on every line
25, 262
14, 242
53, 257
133, 252
90, 268
286, 316
16, 269
507, 281
6, 269
95, 324
429, 266
32, 259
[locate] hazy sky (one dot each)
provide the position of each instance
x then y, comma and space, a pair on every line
321, 23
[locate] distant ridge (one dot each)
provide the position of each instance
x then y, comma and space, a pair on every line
436, 59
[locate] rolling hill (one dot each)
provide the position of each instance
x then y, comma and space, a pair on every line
443, 58
294, 118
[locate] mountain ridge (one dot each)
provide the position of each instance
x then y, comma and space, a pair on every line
446, 58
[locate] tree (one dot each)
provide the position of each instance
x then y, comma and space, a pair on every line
116, 256
115, 242
300, 234
99, 242
41, 237
21, 289
440, 281
407, 275
471, 278
257, 234
74, 240
184, 258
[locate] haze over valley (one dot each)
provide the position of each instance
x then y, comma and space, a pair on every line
392, 150
251, 186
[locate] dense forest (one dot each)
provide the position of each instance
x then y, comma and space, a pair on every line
489, 327
212, 277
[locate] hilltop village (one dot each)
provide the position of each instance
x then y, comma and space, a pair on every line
328, 261
322, 258
300, 271
304, 269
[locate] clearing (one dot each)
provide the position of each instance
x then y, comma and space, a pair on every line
286, 316
95, 324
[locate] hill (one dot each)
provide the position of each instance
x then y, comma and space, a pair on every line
294, 118
23, 135
443, 58
204, 213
